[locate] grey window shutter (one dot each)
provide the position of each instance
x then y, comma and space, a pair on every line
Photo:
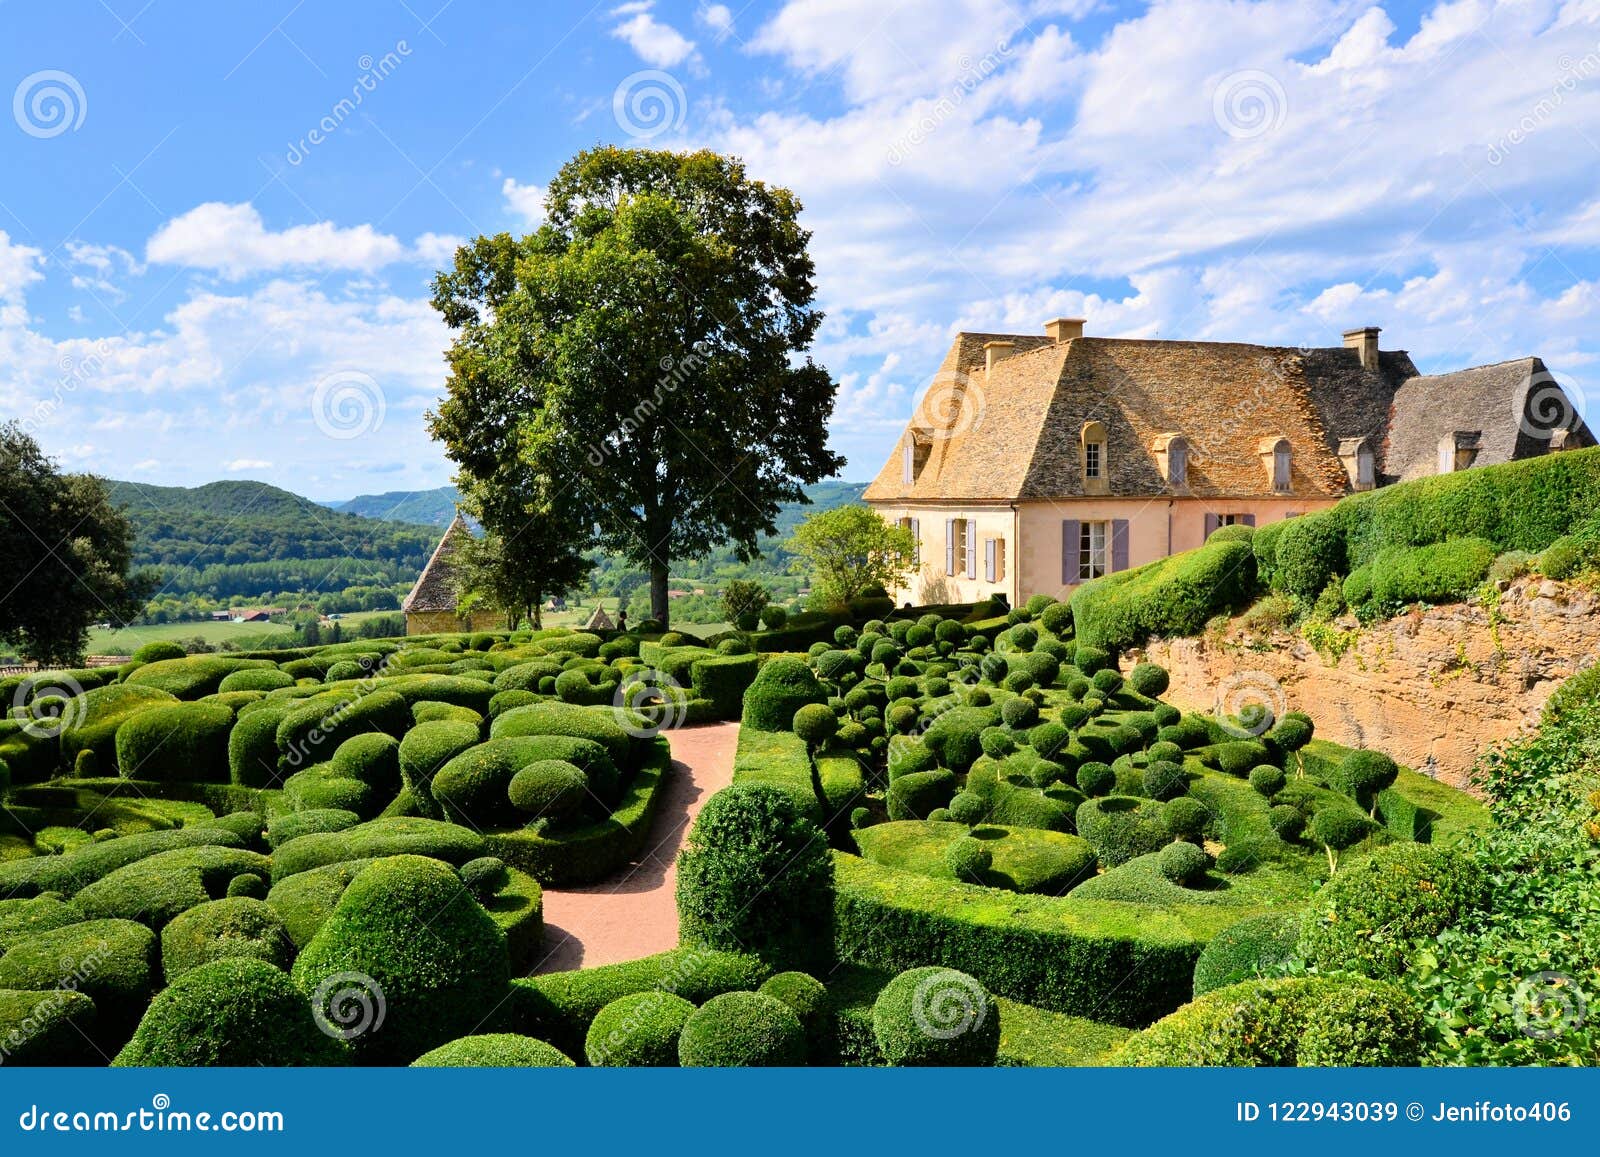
1071, 532
988, 560
949, 546
916, 542
1119, 544
908, 468
972, 552
1248, 519
1212, 522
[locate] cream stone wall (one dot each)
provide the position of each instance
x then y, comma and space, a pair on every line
988, 522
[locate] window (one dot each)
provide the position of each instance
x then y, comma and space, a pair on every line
1093, 440
1092, 541
960, 548
915, 527
994, 560
1458, 451
1231, 520
1364, 468
1280, 466
1177, 463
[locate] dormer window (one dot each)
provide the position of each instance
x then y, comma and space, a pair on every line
1458, 451
1278, 460
914, 455
1172, 458
1093, 440
1355, 455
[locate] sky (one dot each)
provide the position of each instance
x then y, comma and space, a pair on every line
218, 224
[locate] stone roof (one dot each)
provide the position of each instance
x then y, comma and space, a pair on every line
1509, 409
599, 621
1013, 432
435, 588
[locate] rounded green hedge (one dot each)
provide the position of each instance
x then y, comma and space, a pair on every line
496, 1050
1247, 950
407, 961
639, 1030
936, 1016
782, 686
1373, 913
181, 741
236, 926
234, 1012
742, 1030
553, 788
1296, 1021
113, 962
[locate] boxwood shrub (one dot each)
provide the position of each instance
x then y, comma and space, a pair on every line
1172, 596
54, 1027
1296, 1021
1248, 950
936, 1016
236, 926
783, 685
175, 741
639, 1030
391, 836
234, 1012
113, 962
497, 1050
409, 926
742, 1030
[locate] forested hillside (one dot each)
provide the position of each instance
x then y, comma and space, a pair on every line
242, 540
427, 507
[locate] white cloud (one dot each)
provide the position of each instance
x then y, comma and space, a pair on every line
716, 17
654, 42
525, 201
247, 464
234, 241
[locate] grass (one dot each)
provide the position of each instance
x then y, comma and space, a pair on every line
1025, 859
126, 640
1041, 1038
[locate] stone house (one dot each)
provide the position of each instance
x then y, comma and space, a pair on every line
431, 607
1034, 463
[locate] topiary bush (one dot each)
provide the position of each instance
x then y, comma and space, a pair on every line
232, 1012
1184, 863
639, 1030
936, 1017
113, 962
180, 741
236, 926
495, 1050
1374, 913
1185, 818
756, 876
551, 788
742, 1030
1250, 949
1314, 1020
915, 795
1121, 827
1267, 780
969, 859
782, 686
1441, 572
408, 940
1164, 780
1310, 551
1363, 774
1149, 679
807, 998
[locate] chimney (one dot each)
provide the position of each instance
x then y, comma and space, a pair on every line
1064, 328
1365, 342
995, 352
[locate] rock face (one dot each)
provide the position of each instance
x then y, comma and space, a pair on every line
1433, 688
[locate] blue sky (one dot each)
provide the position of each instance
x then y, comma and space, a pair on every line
217, 231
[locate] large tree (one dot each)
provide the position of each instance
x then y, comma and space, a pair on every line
65, 555
645, 350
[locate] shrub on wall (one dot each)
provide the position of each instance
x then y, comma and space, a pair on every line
1172, 596
1439, 573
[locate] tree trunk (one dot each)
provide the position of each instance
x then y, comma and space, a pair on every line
658, 590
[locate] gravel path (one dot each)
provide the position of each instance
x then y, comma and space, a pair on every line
635, 913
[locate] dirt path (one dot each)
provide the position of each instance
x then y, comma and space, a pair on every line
635, 913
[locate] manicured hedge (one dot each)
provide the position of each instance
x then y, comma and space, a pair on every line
742, 1030
1172, 596
560, 1006
176, 741
499, 1050
1312, 1020
936, 1016
96, 720
192, 677
20, 919
783, 685
55, 1027
1109, 961
235, 926
407, 925
1249, 949
394, 836
639, 1030
597, 724
591, 850
69, 873
778, 759
724, 680
234, 1012
113, 962
155, 890
1441, 572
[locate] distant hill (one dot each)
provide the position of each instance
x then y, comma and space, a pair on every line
427, 507
239, 539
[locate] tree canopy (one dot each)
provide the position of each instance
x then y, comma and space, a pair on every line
851, 549
642, 353
65, 554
